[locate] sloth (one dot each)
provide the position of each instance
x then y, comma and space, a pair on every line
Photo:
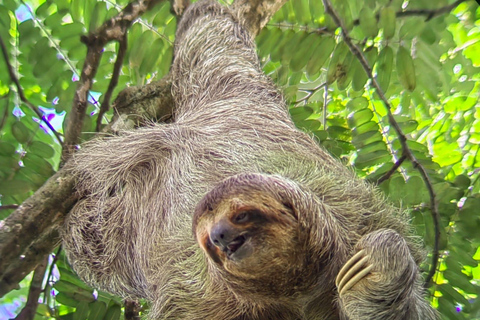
230, 212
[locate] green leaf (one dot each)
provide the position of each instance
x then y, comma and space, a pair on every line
39, 165
65, 299
6, 148
302, 11
357, 103
98, 309
149, 62
269, 40
113, 313
368, 22
98, 16
21, 132
81, 312
320, 55
366, 127
307, 47
74, 291
300, 113
140, 47
292, 47
41, 149
366, 159
163, 15
363, 139
359, 117
459, 280
14, 187
336, 67
384, 67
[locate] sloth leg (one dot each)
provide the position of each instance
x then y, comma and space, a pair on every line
382, 281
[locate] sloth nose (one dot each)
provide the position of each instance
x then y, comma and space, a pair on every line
226, 237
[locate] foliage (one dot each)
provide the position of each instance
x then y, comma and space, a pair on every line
428, 67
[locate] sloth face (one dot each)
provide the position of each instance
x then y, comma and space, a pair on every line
249, 234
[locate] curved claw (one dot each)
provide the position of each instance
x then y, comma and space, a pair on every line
353, 271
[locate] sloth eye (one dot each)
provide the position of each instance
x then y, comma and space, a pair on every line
241, 217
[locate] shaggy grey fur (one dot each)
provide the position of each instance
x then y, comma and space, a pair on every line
131, 232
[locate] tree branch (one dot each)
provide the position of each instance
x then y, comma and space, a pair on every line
5, 113
31, 231
388, 174
113, 29
28, 312
401, 136
310, 92
21, 94
105, 106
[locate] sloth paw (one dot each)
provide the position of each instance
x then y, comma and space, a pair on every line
354, 270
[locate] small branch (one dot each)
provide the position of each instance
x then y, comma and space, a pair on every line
113, 29
5, 113
430, 14
132, 310
50, 271
308, 29
388, 174
401, 136
113, 82
310, 92
9, 206
28, 312
31, 231
324, 116
21, 94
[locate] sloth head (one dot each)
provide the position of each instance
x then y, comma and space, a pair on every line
248, 227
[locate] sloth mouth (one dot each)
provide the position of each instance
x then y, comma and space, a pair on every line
234, 245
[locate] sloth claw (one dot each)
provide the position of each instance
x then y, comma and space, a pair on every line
354, 270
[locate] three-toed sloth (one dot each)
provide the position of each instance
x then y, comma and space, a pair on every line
281, 230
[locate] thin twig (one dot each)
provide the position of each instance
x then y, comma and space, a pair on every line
310, 92
144, 23
401, 136
5, 112
309, 29
105, 106
429, 13
50, 271
28, 312
9, 206
388, 174
324, 116
21, 94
